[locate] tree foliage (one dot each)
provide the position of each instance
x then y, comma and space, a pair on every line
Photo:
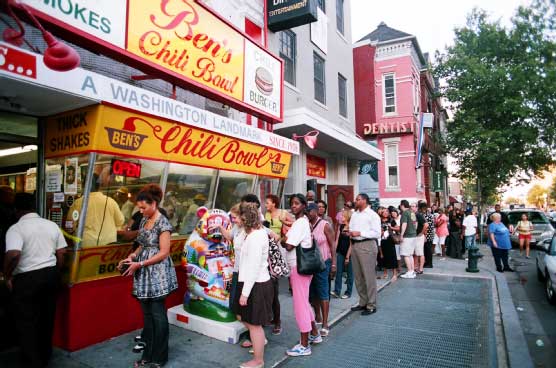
552, 190
536, 195
501, 85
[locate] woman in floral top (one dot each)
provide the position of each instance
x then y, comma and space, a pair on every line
154, 276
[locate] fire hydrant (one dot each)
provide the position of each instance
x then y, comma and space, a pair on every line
473, 258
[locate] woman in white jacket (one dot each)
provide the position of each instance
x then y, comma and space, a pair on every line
253, 300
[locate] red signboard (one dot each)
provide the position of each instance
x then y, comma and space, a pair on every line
316, 166
126, 168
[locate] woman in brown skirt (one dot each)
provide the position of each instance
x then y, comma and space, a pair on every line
253, 299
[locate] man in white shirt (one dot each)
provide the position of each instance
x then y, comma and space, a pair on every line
470, 230
34, 247
364, 230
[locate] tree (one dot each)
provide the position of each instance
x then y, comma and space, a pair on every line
501, 84
552, 190
536, 196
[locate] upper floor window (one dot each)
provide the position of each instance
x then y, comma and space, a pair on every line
391, 161
340, 16
389, 93
288, 54
342, 95
322, 5
320, 86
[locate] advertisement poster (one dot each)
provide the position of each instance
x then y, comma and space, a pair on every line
70, 175
53, 181
368, 179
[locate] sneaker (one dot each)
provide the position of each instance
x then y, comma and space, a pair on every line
334, 294
315, 339
346, 296
299, 350
408, 275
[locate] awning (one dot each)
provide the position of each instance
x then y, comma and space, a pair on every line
331, 139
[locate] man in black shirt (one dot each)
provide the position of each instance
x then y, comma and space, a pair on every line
504, 215
422, 227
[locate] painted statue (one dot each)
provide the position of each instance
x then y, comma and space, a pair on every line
208, 259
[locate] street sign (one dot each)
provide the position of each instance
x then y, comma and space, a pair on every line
438, 181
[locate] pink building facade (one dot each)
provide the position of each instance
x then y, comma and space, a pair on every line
389, 100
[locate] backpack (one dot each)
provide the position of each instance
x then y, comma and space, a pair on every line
277, 265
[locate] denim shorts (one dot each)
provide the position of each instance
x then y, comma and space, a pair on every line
320, 285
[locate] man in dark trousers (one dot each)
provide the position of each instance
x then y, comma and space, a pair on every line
34, 251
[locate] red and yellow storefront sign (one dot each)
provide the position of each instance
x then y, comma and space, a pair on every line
183, 37
101, 262
120, 132
316, 166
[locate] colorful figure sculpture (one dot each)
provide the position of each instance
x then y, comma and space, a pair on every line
208, 259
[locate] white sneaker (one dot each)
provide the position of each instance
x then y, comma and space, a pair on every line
408, 275
315, 339
299, 350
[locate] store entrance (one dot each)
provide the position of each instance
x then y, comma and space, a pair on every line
337, 196
18, 152
18, 164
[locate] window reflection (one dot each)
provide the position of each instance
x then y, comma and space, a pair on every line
187, 189
231, 187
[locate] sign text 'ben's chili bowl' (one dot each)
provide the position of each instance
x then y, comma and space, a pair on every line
127, 133
180, 39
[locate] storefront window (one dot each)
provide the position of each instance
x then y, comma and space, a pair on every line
64, 179
111, 203
187, 189
268, 186
231, 187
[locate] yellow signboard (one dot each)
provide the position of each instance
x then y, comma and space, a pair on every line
184, 38
124, 133
101, 262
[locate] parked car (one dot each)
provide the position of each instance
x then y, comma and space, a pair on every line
542, 229
546, 267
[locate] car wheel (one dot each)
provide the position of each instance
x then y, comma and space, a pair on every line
540, 276
549, 289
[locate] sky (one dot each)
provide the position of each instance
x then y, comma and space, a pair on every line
431, 21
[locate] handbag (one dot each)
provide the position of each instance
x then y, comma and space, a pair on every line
309, 260
277, 265
396, 238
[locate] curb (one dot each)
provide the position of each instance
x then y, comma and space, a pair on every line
516, 345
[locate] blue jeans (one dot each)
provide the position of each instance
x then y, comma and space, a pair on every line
470, 241
340, 266
320, 284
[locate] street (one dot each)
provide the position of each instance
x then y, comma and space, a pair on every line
536, 315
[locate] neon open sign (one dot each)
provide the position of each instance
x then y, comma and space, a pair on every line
126, 168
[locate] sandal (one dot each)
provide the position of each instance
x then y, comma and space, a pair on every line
277, 330
246, 344
139, 363
324, 332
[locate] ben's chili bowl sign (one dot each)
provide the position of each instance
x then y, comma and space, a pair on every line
185, 38
125, 133
183, 41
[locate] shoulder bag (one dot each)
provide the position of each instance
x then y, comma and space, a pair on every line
309, 260
277, 265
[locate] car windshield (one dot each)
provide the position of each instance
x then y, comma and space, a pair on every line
534, 216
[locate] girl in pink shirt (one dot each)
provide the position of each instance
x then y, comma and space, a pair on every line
441, 225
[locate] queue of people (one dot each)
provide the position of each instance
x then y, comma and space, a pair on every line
358, 241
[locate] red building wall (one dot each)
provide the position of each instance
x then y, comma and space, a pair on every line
364, 83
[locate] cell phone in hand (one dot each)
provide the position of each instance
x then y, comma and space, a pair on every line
124, 268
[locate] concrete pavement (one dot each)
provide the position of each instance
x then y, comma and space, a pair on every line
436, 287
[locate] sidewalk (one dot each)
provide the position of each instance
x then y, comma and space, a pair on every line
445, 291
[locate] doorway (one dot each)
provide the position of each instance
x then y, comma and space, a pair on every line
337, 196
